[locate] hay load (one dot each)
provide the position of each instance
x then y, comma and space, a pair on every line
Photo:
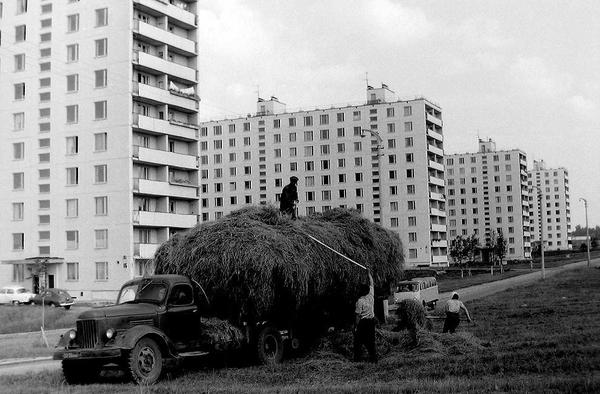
257, 263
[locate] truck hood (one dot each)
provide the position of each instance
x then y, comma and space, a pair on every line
123, 310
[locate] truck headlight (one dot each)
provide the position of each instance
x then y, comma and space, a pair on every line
72, 334
110, 333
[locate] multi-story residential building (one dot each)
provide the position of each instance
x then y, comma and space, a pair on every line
384, 158
551, 185
99, 151
487, 194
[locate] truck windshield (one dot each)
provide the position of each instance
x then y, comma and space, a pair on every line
145, 291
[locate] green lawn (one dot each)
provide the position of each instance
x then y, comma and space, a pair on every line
26, 318
540, 338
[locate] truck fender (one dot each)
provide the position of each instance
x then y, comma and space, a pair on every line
64, 340
127, 339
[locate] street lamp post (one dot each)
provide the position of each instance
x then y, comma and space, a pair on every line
587, 230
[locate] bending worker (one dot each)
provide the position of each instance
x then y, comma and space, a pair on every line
453, 307
289, 197
364, 329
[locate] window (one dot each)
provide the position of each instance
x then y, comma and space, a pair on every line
412, 237
21, 6
412, 253
73, 271
100, 110
100, 142
18, 121
18, 241
391, 127
72, 207
72, 23
100, 78
18, 150
20, 33
46, 8
72, 113
18, 209
73, 176
72, 145
410, 189
308, 121
308, 135
100, 174
412, 205
101, 239
46, 22
356, 115
72, 53
20, 62
408, 126
19, 91
390, 112
410, 173
324, 119
101, 17
72, 83
72, 239
18, 180
45, 37
101, 46
101, 204
340, 117
102, 270
407, 111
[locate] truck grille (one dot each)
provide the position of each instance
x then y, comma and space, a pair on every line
87, 333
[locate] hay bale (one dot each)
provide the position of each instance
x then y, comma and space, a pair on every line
220, 334
411, 315
255, 262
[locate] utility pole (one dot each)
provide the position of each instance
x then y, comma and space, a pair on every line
587, 231
541, 195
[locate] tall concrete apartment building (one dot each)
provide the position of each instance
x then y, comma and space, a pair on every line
551, 186
384, 158
98, 156
488, 194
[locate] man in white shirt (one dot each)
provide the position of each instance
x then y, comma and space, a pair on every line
364, 328
453, 307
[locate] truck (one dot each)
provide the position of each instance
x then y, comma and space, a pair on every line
155, 324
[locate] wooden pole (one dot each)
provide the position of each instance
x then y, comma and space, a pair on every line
336, 252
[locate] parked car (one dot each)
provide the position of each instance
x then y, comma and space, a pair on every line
15, 295
54, 297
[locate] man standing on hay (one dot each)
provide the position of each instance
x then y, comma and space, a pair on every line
453, 307
289, 198
364, 329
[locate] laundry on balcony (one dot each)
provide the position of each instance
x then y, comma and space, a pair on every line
183, 91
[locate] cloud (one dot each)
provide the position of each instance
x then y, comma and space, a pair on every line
583, 107
533, 74
476, 33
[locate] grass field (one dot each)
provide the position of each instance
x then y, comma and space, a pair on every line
539, 338
26, 318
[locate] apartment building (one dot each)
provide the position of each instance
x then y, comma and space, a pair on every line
99, 151
549, 206
488, 194
383, 157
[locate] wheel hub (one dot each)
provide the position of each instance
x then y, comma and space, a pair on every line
146, 360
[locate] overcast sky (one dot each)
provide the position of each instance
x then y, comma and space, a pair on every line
524, 73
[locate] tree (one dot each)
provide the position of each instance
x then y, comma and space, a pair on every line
471, 245
458, 252
500, 248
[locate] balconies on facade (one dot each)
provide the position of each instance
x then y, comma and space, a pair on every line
439, 259
156, 35
161, 126
434, 149
144, 251
183, 17
438, 227
436, 165
434, 119
439, 243
435, 135
437, 212
160, 188
163, 96
163, 157
158, 64
436, 196
163, 219
436, 181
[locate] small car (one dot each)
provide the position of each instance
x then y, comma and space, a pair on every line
15, 295
54, 297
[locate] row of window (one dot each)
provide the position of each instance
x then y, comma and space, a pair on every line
72, 271
358, 146
72, 147
473, 159
100, 177
71, 236
72, 209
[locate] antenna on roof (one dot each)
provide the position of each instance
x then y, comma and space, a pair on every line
257, 91
367, 77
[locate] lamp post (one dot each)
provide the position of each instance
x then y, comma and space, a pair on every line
541, 195
587, 230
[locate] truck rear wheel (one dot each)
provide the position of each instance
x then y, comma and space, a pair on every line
145, 362
269, 346
79, 372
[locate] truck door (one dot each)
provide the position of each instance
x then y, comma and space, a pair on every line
182, 316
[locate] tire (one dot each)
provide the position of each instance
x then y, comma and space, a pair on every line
15, 302
269, 346
145, 362
67, 307
79, 372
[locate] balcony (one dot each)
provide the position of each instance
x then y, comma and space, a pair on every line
435, 149
144, 251
439, 243
436, 165
160, 126
163, 96
437, 212
437, 196
436, 181
163, 157
185, 17
433, 119
526, 244
145, 60
161, 36
159, 188
526, 234
434, 134
440, 260
163, 219
440, 228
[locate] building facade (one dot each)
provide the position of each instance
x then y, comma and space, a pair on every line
99, 148
550, 207
488, 195
384, 158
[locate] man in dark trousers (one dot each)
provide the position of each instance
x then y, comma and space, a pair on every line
364, 329
453, 307
289, 196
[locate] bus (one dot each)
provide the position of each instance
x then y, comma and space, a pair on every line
424, 290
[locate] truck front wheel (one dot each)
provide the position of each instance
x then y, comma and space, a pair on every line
145, 362
269, 346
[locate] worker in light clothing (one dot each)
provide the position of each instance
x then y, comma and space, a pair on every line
453, 307
364, 328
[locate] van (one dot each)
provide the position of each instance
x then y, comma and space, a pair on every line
424, 290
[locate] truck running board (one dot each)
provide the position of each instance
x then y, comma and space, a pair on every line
193, 354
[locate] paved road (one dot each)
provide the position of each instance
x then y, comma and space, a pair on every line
466, 294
